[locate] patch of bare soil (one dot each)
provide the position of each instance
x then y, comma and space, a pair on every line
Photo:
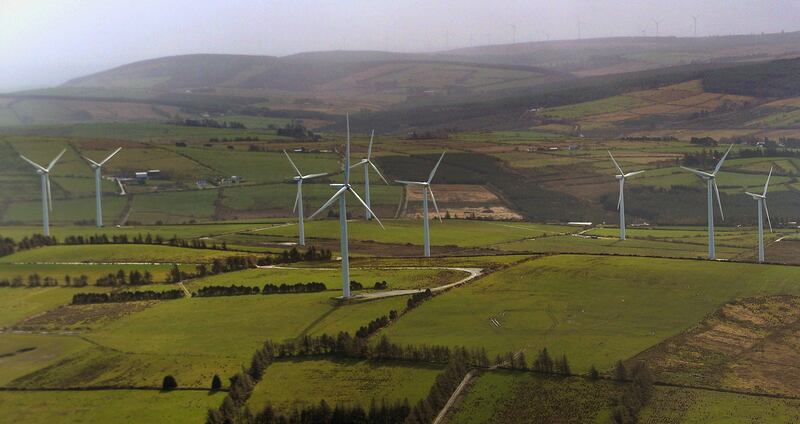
78, 317
461, 200
749, 345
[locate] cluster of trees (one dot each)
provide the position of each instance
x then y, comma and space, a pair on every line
241, 387
376, 324
35, 280
234, 290
395, 413
9, 246
544, 363
142, 239
124, 296
296, 129
380, 285
311, 287
209, 123
634, 396
446, 383
133, 278
225, 139
417, 298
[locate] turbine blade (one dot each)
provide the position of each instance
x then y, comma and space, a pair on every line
347, 154
436, 207
379, 172
361, 162
297, 196
430, 178
630, 174
699, 173
753, 195
411, 182
49, 191
767, 212
91, 162
35, 165
719, 164
719, 201
329, 202
53, 162
767, 183
615, 163
369, 150
310, 176
364, 204
293, 165
110, 156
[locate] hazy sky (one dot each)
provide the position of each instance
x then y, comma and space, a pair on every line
45, 42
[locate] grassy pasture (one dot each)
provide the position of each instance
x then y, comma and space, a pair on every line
115, 253
595, 310
65, 211
293, 384
106, 406
173, 207
187, 231
231, 327
99, 366
504, 396
46, 350
19, 303
409, 278
670, 404
449, 232
93, 271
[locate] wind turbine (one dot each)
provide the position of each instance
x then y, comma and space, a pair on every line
367, 162
657, 24
47, 197
711, 182
762, 202
341, 195
621, 202
97, 166
694, 19
426, 189
298, 200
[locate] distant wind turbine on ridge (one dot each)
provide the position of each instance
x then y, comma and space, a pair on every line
367, 162
341, 195
621, 202
762, 204
711, 183
97, 167
298, 200
47, 196
426, 190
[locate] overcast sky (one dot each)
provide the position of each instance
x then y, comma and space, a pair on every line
45, 42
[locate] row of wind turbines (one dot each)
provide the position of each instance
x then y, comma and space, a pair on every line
47, 195
711, 183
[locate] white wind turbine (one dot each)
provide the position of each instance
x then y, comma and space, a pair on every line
298, 200
341, 195
762, 204
621, 202
47, 197
367, 162
711, 183
426, 189
97, 166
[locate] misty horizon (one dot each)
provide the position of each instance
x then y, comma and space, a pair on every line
46, 44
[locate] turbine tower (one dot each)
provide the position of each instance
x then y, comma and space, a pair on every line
426, 190
657, 24
341, 195
762, 203
47, 197
711, 183
298, 200
621, 202
367, 162
97, 166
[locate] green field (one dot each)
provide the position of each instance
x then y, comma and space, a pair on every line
19, 303
93, 271
106, 406
293, 384
26, 353
596, 310
133, 254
